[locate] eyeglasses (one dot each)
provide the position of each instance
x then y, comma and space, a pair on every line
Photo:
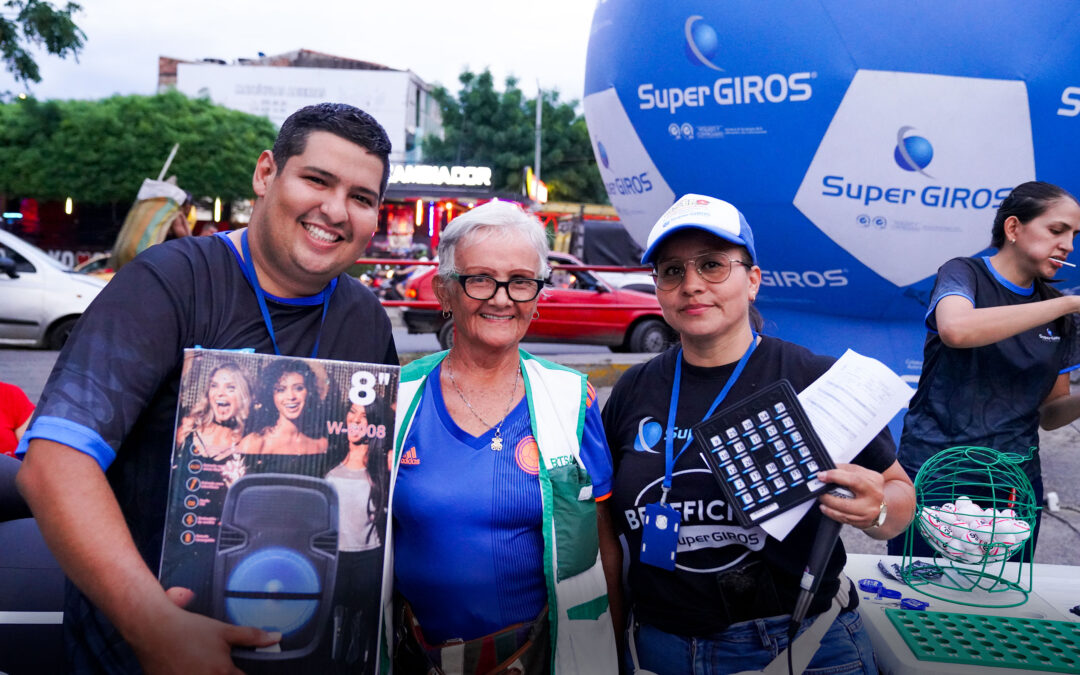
713, 267
484, 287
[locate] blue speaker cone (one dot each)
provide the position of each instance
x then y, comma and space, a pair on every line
278, 590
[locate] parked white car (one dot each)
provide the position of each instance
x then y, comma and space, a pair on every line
40, 299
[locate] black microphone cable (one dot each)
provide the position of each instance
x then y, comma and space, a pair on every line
828, 533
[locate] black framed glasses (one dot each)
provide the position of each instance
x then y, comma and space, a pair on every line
713, 267
484, 287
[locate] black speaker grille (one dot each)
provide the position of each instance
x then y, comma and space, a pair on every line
326, 542
231, 538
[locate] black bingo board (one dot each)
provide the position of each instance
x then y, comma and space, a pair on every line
764, 453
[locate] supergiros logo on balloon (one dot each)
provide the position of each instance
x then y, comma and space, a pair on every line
1070, 100
702, 46
913, 153
865, 143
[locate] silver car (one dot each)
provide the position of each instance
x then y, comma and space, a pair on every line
40, 299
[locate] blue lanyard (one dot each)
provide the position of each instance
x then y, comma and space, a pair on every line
669, 441
253, 278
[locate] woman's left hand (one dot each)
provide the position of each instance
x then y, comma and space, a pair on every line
869, 489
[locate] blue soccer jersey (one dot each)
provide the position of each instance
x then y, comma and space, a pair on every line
468, 547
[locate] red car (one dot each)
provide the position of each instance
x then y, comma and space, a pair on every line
576, 307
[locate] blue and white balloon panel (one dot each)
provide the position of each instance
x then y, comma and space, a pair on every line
866, 143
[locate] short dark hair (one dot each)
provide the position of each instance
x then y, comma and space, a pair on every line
340, 119
1027, 201
265, 414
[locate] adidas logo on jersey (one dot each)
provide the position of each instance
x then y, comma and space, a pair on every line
410, 457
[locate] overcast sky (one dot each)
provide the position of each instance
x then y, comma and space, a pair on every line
436, 39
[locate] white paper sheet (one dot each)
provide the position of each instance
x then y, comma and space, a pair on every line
847, 406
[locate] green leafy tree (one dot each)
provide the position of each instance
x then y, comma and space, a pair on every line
27, 23
482, 126
100, 151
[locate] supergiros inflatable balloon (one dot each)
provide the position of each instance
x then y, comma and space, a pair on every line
866, 143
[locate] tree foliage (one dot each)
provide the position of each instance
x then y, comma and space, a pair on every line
27, 23
100, 151
482, 126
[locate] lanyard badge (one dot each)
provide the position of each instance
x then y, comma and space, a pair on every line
660, 536
660, 529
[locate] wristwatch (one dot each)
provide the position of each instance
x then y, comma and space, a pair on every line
882, 514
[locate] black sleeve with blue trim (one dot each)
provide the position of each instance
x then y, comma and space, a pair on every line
121, 350
1070, 357
955, 277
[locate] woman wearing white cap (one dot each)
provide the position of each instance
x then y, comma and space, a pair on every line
726, 604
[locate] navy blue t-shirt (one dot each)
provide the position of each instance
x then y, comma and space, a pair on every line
113, 391
712, 544
986, 396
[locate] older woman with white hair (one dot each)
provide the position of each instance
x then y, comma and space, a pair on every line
501, 468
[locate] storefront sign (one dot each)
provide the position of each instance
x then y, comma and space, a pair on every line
425, 174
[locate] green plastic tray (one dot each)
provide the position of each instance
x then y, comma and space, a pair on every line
998, 641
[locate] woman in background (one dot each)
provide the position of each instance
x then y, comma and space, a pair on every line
213, 432
999, 344
216, 425
362, 483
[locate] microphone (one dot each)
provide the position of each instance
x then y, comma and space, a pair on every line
828, 532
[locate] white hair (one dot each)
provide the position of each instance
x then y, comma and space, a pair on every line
498, 218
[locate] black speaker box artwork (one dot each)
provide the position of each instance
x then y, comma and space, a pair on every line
277, 505
277, 559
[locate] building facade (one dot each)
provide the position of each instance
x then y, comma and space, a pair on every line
276, 86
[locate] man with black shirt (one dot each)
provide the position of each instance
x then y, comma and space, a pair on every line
97, 453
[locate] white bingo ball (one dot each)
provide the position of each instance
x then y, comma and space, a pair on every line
932, 516
955, 549
1022, 530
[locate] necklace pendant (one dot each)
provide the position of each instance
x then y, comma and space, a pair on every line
496, 443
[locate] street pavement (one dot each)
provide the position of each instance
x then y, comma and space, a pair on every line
1059, 541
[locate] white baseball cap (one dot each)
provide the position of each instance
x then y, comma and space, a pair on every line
709, 214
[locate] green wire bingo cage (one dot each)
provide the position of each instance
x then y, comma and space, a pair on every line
976, 508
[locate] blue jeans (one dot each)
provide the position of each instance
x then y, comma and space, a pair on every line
752, 645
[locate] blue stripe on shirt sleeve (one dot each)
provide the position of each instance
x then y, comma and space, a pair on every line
930, 310
71, 434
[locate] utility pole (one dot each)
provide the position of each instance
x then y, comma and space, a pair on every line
539, 115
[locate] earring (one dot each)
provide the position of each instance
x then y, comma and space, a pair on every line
446, 314
1012, 241
536, 314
